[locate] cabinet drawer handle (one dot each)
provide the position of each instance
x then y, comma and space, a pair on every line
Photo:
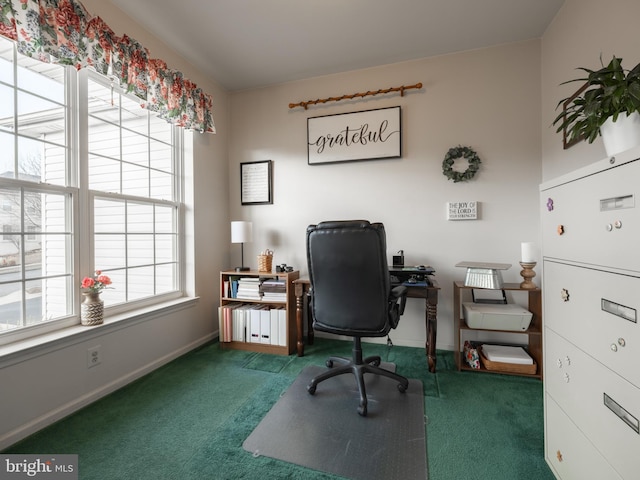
622, 311
559, 455
614, 347
616, 203
564, 293
622, 413
560, 229
567, 379
622, 342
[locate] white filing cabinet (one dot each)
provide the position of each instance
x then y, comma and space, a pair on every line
591, 295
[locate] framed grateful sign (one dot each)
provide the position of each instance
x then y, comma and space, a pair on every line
346, 137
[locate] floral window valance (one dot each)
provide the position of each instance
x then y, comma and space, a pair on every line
62, 31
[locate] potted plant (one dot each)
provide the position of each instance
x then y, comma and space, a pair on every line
610, 95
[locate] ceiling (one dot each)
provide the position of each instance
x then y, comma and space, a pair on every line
244, 44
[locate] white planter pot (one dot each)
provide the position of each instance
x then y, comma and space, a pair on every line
621, 135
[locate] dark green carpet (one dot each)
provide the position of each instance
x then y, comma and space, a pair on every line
188, 419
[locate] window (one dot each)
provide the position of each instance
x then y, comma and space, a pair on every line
121, 197
133, 184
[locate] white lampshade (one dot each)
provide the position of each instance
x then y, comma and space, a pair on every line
241, 232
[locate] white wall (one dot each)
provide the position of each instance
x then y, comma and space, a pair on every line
50, 382
581, 32
487, 99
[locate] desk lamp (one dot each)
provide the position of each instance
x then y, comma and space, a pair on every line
241, 232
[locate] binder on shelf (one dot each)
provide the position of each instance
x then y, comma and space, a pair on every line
255, 326
225, 322
265, 326
239, 323
273, 324
282, 327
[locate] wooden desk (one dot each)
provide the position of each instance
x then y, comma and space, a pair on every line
429, 293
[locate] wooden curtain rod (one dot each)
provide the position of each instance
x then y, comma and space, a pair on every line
362, 94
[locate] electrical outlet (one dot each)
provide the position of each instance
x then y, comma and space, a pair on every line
94, 357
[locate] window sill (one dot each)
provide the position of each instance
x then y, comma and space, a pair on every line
22, 350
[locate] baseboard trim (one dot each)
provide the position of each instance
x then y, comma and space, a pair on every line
56, 414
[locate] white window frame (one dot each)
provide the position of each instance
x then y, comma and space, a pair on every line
90, 195
81, 205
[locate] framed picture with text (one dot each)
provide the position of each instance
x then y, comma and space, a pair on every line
347, 137
256, 183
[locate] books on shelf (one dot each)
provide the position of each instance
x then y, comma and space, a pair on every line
255, 289
250, 323
249, 288
274, 290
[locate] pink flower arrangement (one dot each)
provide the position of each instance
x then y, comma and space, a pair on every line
97, 283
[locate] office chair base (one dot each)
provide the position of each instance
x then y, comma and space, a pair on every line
358, 366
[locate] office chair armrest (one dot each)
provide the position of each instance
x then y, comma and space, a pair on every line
399, 293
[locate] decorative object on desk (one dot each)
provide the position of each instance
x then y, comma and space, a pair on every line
265, 260
283, 267
528, 261
483, 275
398, 260
92, 306
608, 99
255, 183
462, 210
528, 252
527, 273
365, 135
241, 232
449, 162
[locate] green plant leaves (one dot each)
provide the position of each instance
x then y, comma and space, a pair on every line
611, 90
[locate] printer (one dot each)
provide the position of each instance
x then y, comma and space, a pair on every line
487, 316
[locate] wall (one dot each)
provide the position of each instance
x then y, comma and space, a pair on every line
581, 32
487, 99
50, 382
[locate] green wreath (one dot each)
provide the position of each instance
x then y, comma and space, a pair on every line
460, 152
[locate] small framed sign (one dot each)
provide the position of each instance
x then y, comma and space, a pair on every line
462, 210
256, 183
366, 135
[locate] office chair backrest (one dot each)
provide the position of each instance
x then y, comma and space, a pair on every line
349, 275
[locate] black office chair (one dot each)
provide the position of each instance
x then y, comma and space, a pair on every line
351, 295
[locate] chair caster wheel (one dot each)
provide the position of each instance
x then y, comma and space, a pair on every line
311, 388
376, 362
329, 363
402, 387
362, 410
